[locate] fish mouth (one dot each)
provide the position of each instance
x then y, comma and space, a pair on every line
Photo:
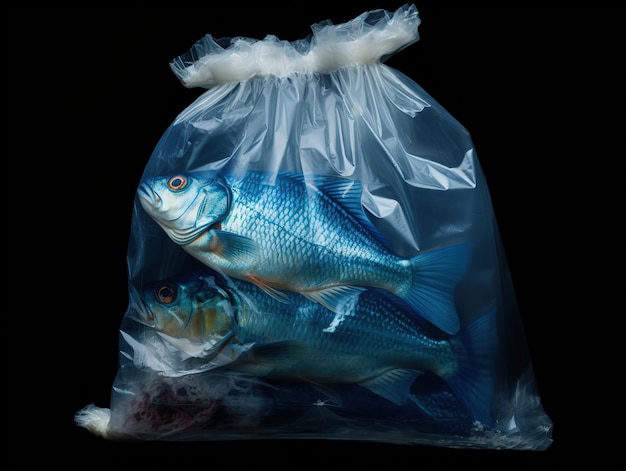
182, 230
148, 198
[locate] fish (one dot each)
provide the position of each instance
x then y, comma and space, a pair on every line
380, 345
300, 233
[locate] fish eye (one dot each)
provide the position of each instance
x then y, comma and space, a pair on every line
177, 182
166, 293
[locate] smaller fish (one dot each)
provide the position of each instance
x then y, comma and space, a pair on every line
378, 345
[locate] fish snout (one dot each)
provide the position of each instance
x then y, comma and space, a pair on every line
149, 198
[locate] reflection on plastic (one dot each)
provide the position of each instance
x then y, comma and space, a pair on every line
285, 309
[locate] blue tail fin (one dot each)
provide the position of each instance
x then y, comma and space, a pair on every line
435, 276
473, 381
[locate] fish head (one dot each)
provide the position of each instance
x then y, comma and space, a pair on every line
194, 314
185, 205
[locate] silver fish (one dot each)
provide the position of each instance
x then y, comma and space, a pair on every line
378, 345
306, 234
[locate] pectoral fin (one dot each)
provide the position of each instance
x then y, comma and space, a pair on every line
273, 292
236, 249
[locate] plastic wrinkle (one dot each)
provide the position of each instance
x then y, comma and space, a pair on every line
331, 47
314, 253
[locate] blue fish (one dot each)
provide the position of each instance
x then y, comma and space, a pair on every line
378, 345
304, 234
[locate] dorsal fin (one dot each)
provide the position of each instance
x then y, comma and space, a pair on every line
343, 192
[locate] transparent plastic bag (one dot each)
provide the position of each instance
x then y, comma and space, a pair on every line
314, 254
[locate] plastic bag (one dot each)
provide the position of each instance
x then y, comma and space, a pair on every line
314, 254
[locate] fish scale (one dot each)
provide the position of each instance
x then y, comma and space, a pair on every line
305, 234
378, 344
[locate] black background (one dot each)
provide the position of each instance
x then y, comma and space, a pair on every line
87, 94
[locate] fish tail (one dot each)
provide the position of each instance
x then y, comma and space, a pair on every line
436, 274
473, 380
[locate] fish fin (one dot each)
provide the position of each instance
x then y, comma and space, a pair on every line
233, 247
264, 359
346, 193
394, 385
338, 299
435, 276
473, 382
273, 292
